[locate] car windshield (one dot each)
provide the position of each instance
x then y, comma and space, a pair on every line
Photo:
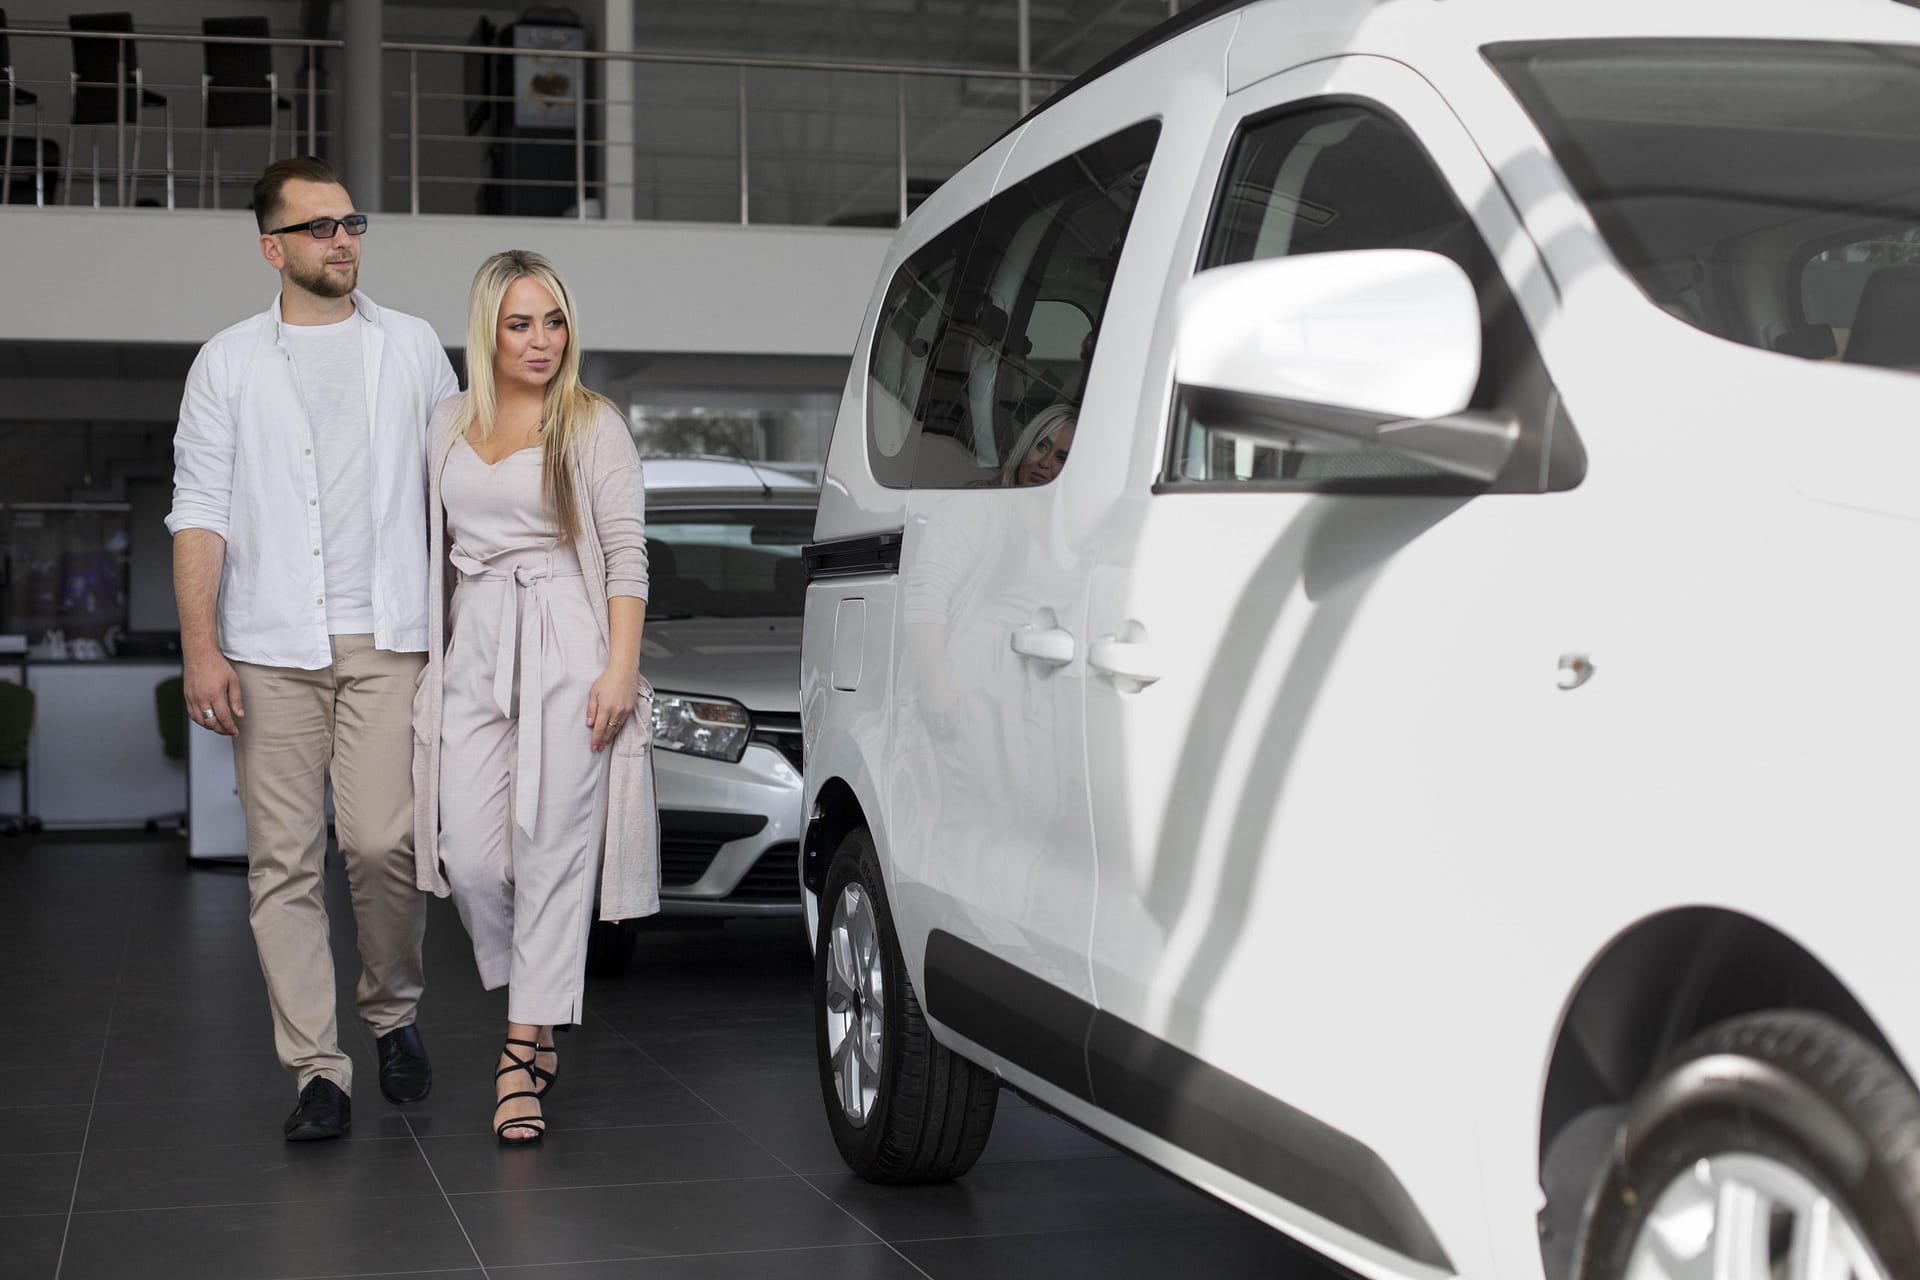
727, 563
1767, 192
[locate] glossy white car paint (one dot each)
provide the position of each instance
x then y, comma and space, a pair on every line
1392, 331
1316, 807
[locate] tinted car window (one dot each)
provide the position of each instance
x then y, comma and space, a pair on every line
727, 563
918, 302
1761, 190
985, 335
1339, 176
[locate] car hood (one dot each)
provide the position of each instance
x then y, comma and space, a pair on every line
754, 661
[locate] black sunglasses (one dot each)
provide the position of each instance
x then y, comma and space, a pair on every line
323, 228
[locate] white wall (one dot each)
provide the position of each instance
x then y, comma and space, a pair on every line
148, 275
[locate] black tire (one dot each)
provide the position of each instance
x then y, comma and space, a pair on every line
610, 948
933, 1110
1797, 1088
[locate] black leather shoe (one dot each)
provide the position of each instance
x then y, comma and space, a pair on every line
323, 1112
405, 1073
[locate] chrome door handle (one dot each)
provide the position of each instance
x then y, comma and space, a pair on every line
1053, 646
1133, 662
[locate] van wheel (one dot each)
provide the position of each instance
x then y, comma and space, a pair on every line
610, 947
902, 1108
1777, 1146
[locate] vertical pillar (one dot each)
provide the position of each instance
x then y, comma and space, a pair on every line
616, 124
363, 93
1026, 54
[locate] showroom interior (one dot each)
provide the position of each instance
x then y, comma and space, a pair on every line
718, 181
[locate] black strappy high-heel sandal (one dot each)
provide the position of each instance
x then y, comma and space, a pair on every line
536, 1123
544, 1080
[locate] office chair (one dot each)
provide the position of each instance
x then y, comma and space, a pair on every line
169, 704
15, 98
96, 83
238, 90
16, 728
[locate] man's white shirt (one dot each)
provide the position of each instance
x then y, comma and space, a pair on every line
254, 466
332, 378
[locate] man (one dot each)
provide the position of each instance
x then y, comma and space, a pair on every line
300, 568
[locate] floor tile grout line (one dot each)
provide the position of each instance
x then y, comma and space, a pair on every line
446, 1199
616, 1186
432, 1137
850, 1215
595, 1262
1083, 1228
241, 1204
444, 1194
99, 1074
673, 1257
377, 1275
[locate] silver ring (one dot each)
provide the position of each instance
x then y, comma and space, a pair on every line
207, 714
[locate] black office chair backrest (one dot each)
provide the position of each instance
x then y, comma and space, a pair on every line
97, 62
170, 704
6, 61
1886, 328
16, 723
237, 96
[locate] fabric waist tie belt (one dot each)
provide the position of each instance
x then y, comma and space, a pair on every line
525, 623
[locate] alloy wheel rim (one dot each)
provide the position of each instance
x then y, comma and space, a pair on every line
856, 1004
1739, 1216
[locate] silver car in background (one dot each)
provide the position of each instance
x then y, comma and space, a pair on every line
727, 586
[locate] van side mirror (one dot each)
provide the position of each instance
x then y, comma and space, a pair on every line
1373, 348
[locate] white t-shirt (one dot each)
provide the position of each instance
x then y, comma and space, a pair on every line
333, 383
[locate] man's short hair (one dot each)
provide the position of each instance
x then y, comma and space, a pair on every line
267, 187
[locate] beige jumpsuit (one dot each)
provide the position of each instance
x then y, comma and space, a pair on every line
523, 796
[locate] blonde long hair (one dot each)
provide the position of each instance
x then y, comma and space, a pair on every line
1044, 426
569, 408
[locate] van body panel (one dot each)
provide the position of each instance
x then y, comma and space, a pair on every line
1359, 842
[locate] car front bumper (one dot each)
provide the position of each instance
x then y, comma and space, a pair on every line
729, 834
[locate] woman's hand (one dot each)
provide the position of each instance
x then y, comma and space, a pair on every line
610, 702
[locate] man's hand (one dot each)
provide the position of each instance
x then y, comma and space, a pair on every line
211, 685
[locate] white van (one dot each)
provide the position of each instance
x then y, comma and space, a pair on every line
1433, 767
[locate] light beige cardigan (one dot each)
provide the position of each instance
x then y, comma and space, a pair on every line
613, 502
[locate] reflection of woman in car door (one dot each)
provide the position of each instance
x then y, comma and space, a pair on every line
528, 762
1042, 446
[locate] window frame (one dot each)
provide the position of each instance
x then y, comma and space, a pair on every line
900, 471
1549, 457
895, 471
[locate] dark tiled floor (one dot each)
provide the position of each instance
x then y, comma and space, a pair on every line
139, 1125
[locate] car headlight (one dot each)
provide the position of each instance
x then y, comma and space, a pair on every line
711, 727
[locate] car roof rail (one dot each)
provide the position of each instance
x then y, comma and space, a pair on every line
1186, 20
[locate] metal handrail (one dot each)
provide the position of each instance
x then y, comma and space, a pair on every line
740, 64
929, 70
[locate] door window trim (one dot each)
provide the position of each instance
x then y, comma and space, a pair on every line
1549, 450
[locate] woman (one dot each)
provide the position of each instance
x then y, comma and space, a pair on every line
539, 557
1042, 447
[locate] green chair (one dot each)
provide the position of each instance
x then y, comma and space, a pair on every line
16, 728
170, 705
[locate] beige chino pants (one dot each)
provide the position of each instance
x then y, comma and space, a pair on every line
352, 720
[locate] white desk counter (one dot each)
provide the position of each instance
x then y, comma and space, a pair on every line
95, 758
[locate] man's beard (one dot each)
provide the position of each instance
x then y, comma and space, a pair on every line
325, 283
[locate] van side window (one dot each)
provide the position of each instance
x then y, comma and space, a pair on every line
917, 303
1340, 176
977, 371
